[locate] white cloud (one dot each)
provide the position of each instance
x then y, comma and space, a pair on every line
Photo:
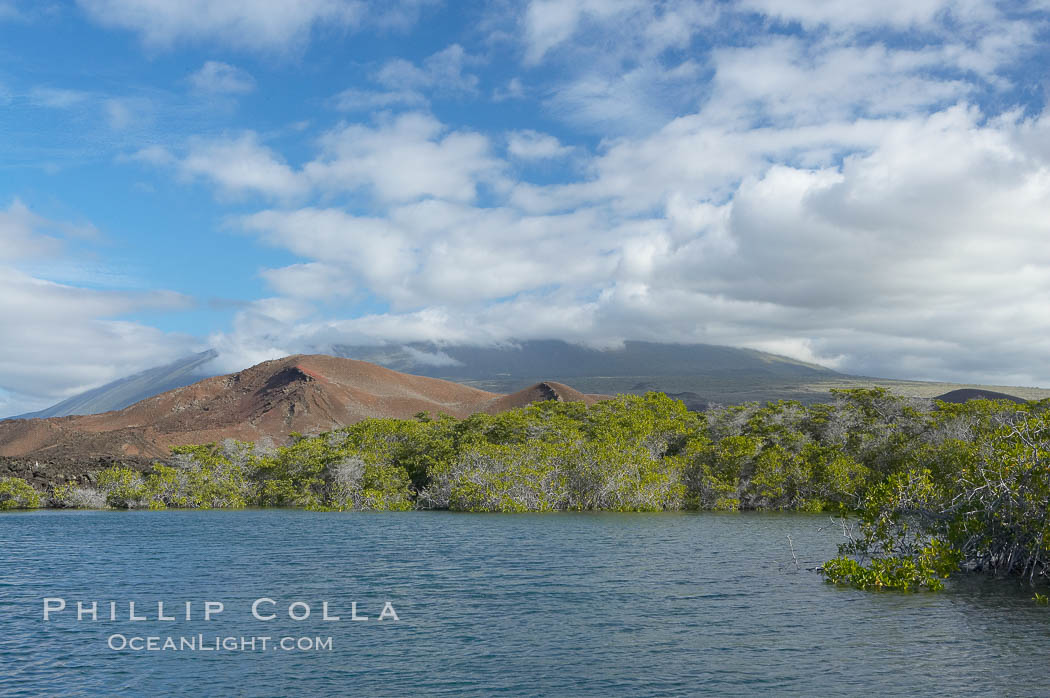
403, 158
532, 145
627, 66
260, 333
632, 102
240, 23
630, 67
634, 28
437, 252
20, 234
409, 157
550, 23
437, 358
794, 82
312, 281
442, 71
797, 348
216, 77
920, 252
678, 22
366, 252
27, 235
240, 164
406, 85
547, 24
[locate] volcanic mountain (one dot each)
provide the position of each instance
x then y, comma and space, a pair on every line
698, 374
301, 393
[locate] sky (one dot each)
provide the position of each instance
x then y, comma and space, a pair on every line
861, 185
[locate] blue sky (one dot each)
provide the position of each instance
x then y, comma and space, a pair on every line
866, 185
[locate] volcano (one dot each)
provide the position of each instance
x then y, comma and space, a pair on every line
302, 393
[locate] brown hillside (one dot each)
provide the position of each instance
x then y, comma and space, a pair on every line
306, 394
540, 392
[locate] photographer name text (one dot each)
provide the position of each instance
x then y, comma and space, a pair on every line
261, 609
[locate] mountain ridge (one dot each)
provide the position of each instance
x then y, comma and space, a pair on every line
300, 393
698, 374
504, 368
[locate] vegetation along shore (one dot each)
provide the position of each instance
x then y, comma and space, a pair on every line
925, 488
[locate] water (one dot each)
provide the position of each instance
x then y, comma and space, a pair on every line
587, 604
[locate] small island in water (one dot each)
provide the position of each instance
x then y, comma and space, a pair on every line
923, 488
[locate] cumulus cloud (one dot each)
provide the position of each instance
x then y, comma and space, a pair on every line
364, 251
240, 164
404, 158
216, 77
435, 252
408, 157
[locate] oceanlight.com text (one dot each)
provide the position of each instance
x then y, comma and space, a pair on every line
201, 643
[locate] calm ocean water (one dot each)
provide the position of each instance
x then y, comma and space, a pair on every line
587, 604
